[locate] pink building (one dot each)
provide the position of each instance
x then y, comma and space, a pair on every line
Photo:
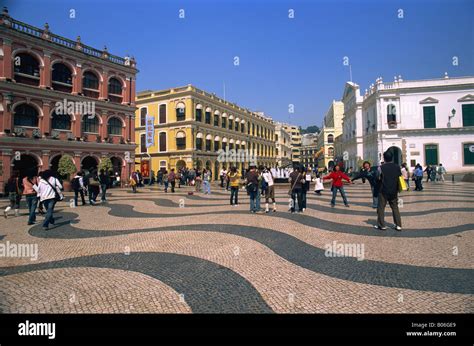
40, 73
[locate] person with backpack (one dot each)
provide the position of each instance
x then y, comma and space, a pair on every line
49, 192
104, 182
389, 176
29, 181
337, 185
14, 189
270, 189
77, 184
251, 181
296, 186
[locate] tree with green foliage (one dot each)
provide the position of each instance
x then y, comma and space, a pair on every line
106, 164
66, 166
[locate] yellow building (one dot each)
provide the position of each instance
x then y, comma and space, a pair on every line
295, 141
192, 127
332, 128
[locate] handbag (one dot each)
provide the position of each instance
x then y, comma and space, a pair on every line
402, 185
57, 196
290, 192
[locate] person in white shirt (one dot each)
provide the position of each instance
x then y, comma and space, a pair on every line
222, 175
319, 184
47, 189
270, 191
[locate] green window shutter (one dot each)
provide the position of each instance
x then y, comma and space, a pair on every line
429, 117
431, 154
468, 115
468, 155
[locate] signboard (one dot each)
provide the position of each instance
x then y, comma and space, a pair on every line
149, 131
145, 168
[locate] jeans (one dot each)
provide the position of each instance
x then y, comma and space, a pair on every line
375, 199
32, 202
419, 183
166, 185
76, 195
173, 184
393, 201
49, 205
257, 199
234, 195
297, 195
104, 190
303, 199
253, 200
206, 187
334, 193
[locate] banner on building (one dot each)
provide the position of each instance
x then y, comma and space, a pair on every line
145, 168
150, 131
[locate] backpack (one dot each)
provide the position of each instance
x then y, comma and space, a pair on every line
75, 184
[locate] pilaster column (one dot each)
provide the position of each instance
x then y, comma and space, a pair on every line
45, 158
77, 82
45, 73
103, 87
6, 62
77, 160
103, 126
7, 167
45, 123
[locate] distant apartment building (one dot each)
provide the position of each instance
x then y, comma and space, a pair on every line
331, 128
189, 127
295, 141
421, 121
283, 146
59, 96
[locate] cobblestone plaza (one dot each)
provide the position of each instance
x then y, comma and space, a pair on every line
153, 252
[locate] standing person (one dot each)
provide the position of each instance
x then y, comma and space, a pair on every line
270, 191
251, 180
160, 177
441, 172
418, 177
206, 180
140, 179
93, 186
296, 183
370, 173
389, 180
318, 187
104, 182
166, 181
306, 186
14, 190
172, 179
198, 180
40, 204
337, 185
30, 194
192, 176
222, 176
406, 175
77, 184
234, 179
49, 191
433, 173
152, 178
134, 181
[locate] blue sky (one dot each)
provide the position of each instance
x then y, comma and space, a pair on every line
282, 61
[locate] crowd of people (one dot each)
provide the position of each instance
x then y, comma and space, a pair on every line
42, 191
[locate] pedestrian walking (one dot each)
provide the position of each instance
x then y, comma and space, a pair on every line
418, 177
270, 190
93, 186
77, 184
166, 181
296, 186
305, 186
251, 183
198, 181
406, 175
441, 172
49, 192
337, 185
172, 179
206, 180
222, 176
234, 178
390, 174
14, 189
104, 181
29, 181
428, 170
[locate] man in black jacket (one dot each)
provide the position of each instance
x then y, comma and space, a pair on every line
389, 176
369, 173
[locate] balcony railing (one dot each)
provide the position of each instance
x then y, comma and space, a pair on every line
62, 41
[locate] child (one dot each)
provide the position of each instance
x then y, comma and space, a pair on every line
319, 184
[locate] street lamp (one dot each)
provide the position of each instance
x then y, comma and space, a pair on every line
453, 112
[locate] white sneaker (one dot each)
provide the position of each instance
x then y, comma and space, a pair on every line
398, 228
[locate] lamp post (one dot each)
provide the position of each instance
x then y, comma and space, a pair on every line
453, 112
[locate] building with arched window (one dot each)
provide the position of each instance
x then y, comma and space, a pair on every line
330, 129
59, 97
198, 125
421, 121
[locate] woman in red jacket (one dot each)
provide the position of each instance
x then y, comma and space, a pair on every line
337, 176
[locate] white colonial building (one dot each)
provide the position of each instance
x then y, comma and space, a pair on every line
421, 121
